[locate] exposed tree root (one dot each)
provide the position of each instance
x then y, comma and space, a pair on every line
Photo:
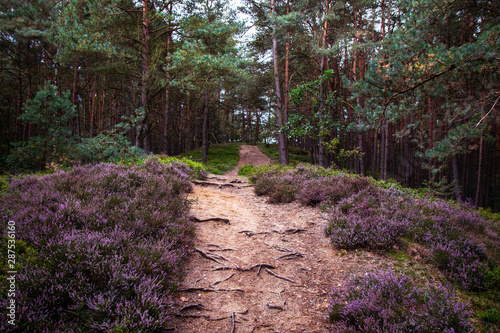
198, 306
259, 326
216, 219
211, 256
207, 317
217, 282
290, 256
293, 231
219, 248
251, 233
202, 183
217, 178
191, 290
280, 277
275, 307
224, 268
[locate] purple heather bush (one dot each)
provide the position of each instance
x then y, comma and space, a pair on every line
279, 185
364, 215
103, 247
388, 302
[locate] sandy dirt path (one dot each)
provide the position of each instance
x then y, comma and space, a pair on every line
290, 293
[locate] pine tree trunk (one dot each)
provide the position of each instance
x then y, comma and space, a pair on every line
145, 70
257, 127
282, 151
205, 128
166, 112
480, 167
456, 177
287, 81
321, 91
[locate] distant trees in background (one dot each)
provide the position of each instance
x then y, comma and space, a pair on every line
394, 89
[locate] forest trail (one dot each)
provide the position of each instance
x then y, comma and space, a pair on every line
289, 292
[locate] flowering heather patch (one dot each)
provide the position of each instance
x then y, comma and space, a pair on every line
363, 215
331, 189
193, 169
377, 218
105, 247
310, 185
387, 302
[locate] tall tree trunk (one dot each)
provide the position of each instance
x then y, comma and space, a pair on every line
375, 152
205, 128
282, 149
257, 128
166, 112
146, 51
321, 90
287, 80
456, 177
73, 96
480, 167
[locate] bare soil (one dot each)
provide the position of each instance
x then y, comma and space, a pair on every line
221, 294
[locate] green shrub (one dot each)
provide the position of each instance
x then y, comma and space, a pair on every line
246, 170
220, 158
197, 170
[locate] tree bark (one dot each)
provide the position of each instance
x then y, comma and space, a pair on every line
287, 80
456, 177
282, 151
321, 91
205, 128
166, 111
146, 51
480, 166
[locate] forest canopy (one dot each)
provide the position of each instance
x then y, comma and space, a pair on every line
395, 89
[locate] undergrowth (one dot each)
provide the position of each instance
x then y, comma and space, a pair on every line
388, 302
220, 158
99, 248
295, 155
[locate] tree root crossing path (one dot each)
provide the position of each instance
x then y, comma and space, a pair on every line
256, 266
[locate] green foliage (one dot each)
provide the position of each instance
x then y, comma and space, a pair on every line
4, 185
199, 169
208, 54
297, 95
247, 170
319, 124
221, 158
262, 170
49, 114
296, 155
107, 147
333, 146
